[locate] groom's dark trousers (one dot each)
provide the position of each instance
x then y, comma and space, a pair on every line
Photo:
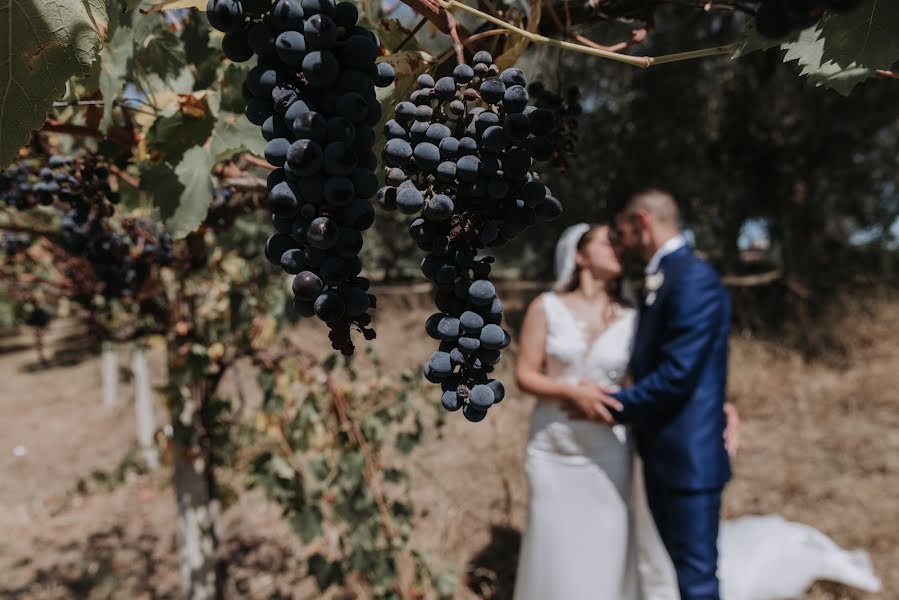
676, 407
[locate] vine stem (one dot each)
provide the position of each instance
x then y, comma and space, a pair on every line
637, 61
129, 179
369, 473
454, 34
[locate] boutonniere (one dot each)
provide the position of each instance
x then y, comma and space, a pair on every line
653, 284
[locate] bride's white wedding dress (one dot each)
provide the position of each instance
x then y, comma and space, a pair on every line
590, 535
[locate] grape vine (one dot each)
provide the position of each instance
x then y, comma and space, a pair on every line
76, 193
459, 156
312, 93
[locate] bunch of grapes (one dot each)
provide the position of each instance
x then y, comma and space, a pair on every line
15, 243
567, 109
313, 95
459, 154
80, 183
120, 260
39, 316
777, 18
78, 189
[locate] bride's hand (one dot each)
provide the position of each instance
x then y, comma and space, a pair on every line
586, 401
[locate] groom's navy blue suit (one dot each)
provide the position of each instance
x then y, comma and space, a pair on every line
679, 365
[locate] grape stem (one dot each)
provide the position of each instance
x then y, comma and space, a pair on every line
129, 179
454, 33
566, 29
637, 61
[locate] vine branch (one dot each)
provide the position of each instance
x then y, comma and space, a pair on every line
637, 61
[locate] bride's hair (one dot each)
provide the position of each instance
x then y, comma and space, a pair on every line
616, 287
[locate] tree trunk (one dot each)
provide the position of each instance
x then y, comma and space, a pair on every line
109, 373
198, 537
144, 408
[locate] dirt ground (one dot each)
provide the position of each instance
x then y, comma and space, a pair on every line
820, 446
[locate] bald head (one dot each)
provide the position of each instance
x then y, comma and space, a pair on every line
659, 204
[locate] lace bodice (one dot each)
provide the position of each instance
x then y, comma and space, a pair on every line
571, 356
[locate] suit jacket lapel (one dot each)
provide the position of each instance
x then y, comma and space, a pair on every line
647, 314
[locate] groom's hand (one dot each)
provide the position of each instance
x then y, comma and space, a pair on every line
585, 401
607, 401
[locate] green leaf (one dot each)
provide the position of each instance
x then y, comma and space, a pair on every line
201, 50
160, 50
233, 133
755, 41
114, 69
393, 475
843, 49
867, 36
182, 195
44, 44
306, 523
326, 573
176, 130
230, 77
808, 51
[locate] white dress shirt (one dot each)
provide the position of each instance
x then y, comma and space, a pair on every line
672, 245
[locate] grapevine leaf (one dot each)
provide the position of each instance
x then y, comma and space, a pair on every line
182, 195
201, 50
230, 77
841, 50
867, 36
307, 523
808, 51
326, 573
181, 126
114, 64
161, 51
233, 133
45, 43
755, 41
162, 183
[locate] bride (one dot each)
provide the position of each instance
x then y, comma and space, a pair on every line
590, 535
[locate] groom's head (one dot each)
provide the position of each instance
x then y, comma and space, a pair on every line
649, 219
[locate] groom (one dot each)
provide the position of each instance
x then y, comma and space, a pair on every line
676, 405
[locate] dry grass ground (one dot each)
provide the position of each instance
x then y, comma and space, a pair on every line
820, 445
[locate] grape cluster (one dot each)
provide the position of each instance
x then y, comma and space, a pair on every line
313, 95
78, 189
567, 109
120, 260
80, 183
14, 243
458, 155
39, 316
777, 18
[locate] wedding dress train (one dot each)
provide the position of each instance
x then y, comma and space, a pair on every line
590, 535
